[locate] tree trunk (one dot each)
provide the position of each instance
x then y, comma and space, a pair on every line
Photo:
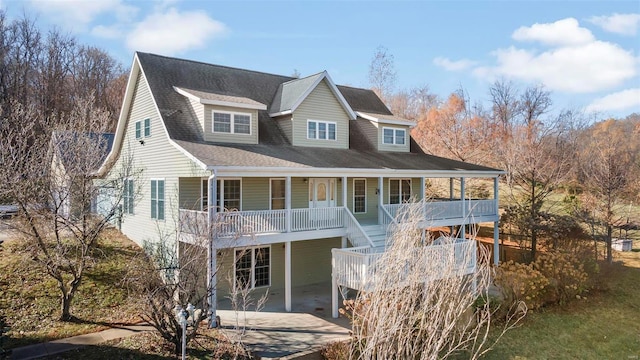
609, 240
66, 308
534, 244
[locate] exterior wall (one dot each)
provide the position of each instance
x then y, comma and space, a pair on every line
370, 130
388, 147
255, 193
209, 135
190, 193
310, 264
156, 159
286, 125
321, 105
198, 111
371, 215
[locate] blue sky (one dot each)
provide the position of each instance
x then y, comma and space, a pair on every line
586, 52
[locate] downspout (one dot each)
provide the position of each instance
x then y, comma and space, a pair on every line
211, 250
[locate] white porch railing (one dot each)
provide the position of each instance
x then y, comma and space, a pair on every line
317, 218
356, 268
355, 233
445, 210
262, 221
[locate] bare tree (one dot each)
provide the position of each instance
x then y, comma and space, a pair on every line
51, 178
423, 300
382, 73
610, 162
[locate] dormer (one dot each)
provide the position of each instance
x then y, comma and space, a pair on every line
389, 132
225, 118
312, 112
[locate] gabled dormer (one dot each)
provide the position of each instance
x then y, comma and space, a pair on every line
389, 132
224, 118
312, 112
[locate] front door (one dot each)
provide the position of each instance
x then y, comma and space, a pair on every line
322, 193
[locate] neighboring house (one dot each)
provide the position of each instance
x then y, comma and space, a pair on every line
308, 165
68, 169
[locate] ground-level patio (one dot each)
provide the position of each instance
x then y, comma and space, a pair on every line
273, 332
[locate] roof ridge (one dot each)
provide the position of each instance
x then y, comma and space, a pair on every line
306, 77
217, 65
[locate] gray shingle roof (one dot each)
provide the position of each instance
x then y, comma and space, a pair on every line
273, 149
290, 92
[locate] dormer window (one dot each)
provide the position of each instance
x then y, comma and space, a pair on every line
231, 123
321, 130
143, 128
393, 136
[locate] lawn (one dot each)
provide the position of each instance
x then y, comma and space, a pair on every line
605, 325
30, 299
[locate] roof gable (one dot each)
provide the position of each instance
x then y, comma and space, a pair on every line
292, 93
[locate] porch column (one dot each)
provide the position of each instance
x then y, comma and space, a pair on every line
287, 276
496, 230
344, 191
344, 242
380, 203
287, 202
464, 210
451, 192
334, 287
424, 191
212, 252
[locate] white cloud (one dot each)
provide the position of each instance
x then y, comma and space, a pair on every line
579, 69
76, 14
622, 100
172, 32
625, 24
107, 32
454, 65
562, 32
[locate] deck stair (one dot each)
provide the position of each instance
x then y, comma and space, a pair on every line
377, 234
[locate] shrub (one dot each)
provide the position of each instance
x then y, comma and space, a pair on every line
521, 282
337, 350
566, 275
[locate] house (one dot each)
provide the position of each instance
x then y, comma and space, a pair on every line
69, 171
307, 165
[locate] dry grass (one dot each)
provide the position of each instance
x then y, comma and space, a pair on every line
30, 299
604, 325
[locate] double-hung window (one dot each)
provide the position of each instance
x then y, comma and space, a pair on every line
399, 190
393, 136
229, 194
359, 196
157, 199
253, 267
143, 128
127, 196
231, 123
321, 130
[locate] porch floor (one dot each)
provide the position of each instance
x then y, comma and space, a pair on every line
273, 332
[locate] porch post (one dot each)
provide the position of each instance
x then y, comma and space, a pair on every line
211, 251
287, 276
451, 191
344, 242
424, 191
496, 230
380, 197
287, 202
464, 210
344, 191
334, 287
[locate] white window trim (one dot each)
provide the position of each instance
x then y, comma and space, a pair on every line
232, 124
354, 196
253, 265
271, 192
317, 131
164, 197
399, 188
202, 192
394, 136
221, 192
142, 135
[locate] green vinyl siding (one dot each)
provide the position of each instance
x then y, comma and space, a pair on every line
198, 112
321, 105
371, 215
209, 135
255, 193
190, 193
286, 125
392, 147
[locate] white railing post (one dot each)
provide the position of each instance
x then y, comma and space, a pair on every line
334, 285
288, 204
287, 276
464, 209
